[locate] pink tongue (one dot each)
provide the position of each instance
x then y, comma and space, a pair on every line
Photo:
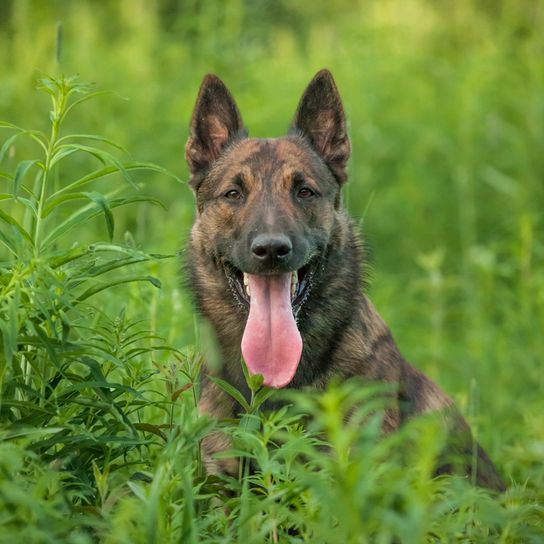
271, 344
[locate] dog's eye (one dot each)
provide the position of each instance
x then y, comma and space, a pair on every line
305, 192
233, 194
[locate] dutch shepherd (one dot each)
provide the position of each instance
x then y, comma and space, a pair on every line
275, 264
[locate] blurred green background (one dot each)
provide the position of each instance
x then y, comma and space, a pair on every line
445, 100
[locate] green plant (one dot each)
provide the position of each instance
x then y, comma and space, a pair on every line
71, 378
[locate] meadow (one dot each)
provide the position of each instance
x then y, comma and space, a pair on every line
101, 351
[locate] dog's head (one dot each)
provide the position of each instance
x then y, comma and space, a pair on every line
267, 208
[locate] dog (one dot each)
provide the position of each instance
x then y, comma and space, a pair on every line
276, 265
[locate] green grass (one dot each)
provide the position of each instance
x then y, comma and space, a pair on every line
100, 350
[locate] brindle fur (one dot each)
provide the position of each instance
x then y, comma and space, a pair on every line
342, 333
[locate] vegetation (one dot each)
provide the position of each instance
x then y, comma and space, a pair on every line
100, 351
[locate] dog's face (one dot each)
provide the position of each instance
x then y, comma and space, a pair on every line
267, 209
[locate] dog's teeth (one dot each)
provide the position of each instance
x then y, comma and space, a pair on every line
246, 284
294, 284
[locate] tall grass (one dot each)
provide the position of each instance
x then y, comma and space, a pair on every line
101, 352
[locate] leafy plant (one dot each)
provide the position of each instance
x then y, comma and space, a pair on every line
70, 377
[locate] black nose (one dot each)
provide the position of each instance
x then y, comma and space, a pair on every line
271, 247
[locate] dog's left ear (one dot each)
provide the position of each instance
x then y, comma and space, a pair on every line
216, 122
320, 118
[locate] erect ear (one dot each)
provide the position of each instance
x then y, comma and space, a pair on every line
320, 118
215, 123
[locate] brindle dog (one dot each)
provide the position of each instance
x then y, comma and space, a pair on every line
275, 264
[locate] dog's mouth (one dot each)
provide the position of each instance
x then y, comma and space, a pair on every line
300, 285
271, 343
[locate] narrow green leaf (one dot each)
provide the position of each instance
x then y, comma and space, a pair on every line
97, 174
68, 149
5, 124
254, 381
84, 99
22, 168
108, 170
94, 137
262, 395
101, 384
87, 442
66, 256
52, 204
28, 204
86, 213
39, 138
20, 200
77, 218
95, 271
102, 203
48, 85
35, 135
39, 133
103, 156
9, 331
48, 343
29, 406
127, 250
9, 243
139, 491
160, 170
61, 153
149, 428
98, 288
28, 432
104, 392
178, 392
7, 144
13, 320
11, 221
231, 391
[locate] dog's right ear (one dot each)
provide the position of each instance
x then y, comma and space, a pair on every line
216, 122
